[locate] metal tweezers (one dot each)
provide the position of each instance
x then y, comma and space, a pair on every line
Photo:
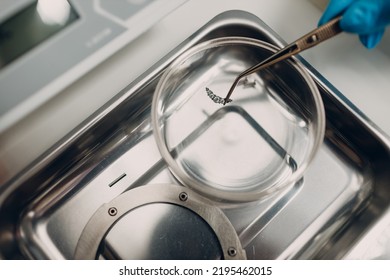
307, 41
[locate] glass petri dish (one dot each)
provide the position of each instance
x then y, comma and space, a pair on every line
248, 149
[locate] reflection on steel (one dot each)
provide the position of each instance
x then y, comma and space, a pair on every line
101, 223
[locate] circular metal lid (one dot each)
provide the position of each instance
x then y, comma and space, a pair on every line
161, 231
161, 221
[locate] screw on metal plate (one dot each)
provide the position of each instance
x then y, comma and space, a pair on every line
232, 251
112, 211
217, 99
183, 196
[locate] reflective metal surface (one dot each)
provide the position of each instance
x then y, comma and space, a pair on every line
174, 233
159, 222
343, 194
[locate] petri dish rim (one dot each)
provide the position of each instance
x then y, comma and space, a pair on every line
215, 193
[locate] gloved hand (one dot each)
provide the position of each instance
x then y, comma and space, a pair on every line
367, 18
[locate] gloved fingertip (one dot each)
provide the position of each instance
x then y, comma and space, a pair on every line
327, 16
372, 40
324, 19
333, 9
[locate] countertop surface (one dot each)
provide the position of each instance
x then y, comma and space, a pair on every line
361, 75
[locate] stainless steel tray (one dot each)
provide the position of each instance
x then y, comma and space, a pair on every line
345, 191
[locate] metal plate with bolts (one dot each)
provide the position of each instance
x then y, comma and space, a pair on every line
211, 224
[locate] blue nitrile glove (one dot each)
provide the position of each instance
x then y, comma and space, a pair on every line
367, 18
